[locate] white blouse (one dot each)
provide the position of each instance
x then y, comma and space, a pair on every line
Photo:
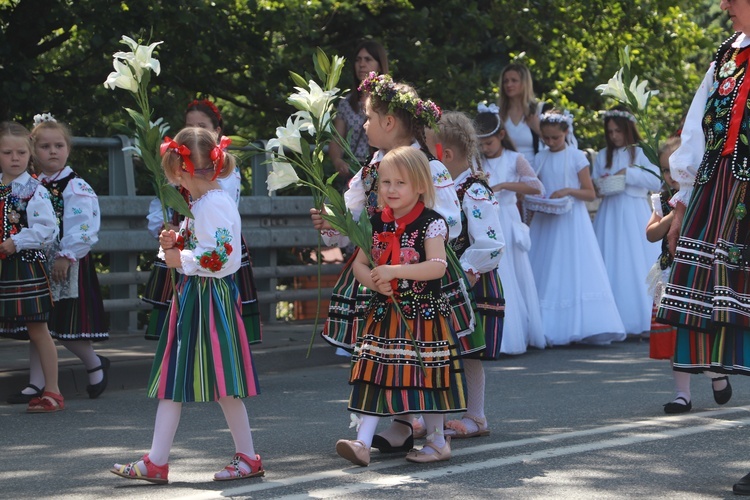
486, 241
81, 219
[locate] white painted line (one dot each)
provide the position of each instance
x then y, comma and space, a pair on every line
670, 425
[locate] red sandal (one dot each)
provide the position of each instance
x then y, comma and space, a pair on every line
157, 474
48, 402
235, 470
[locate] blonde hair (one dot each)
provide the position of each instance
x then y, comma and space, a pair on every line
456, 130
528, 98
200, 142
414, 164
53, 125
13, 129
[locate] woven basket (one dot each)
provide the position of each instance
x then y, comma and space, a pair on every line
556, 206
609, 185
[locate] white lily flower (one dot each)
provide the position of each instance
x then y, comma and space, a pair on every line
281, 176
287, 137
122, 77
304, 122
144, 60
316, 101
642, 96
129, 42
614, 87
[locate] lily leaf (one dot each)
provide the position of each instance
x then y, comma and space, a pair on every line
171, 198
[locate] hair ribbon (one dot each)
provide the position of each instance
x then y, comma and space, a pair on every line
169, 145
218, 154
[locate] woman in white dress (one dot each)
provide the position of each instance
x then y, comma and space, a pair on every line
510, 174
574, 291
622, 218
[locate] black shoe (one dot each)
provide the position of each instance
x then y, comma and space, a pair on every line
20, 398
96, 390
385, 446
674, 407
723, 396
742, 487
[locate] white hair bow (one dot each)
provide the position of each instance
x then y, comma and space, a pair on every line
44, 117
492, 108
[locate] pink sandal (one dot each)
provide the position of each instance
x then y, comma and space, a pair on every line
236, 469
48, 402
157, 474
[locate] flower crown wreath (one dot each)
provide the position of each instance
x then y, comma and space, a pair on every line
426, 112
207, 103
612, 113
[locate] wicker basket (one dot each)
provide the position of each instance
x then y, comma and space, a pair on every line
609, 185
556, 206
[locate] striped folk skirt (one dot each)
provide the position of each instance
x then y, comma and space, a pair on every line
158, 292
203, 353
386, 375
349, 304
488, 293
81, 318
24, 296
708, 295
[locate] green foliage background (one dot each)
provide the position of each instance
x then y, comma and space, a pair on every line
55, 55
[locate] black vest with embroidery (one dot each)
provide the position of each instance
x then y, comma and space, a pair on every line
728, 78
665, 259
56, 188
423, 298
462, 242
14, 218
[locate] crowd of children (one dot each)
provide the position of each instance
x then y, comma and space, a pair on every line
478, 250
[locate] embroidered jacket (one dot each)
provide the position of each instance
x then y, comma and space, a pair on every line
480, 245
77, 210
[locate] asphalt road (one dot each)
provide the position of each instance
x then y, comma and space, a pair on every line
578, 422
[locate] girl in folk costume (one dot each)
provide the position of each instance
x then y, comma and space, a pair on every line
508, 173
621, 217
564, 249
404, 362
479, 248
28, 225
662, 338
203, 353
77, 318
203, 114
396, 116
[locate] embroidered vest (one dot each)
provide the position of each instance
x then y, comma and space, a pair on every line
423, 298
14, 217
665, 259
56, 189
728, 79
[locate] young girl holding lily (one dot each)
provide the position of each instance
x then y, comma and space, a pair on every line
404, 362
622, 215
396, 116
203, 352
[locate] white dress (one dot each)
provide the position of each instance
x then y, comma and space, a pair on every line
574, 291
620, 227
522, 138
523, 320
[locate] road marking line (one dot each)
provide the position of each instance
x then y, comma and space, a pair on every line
669, 432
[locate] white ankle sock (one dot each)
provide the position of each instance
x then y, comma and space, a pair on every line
167, 419
235, 414
367, 426
434, 423
84, 350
